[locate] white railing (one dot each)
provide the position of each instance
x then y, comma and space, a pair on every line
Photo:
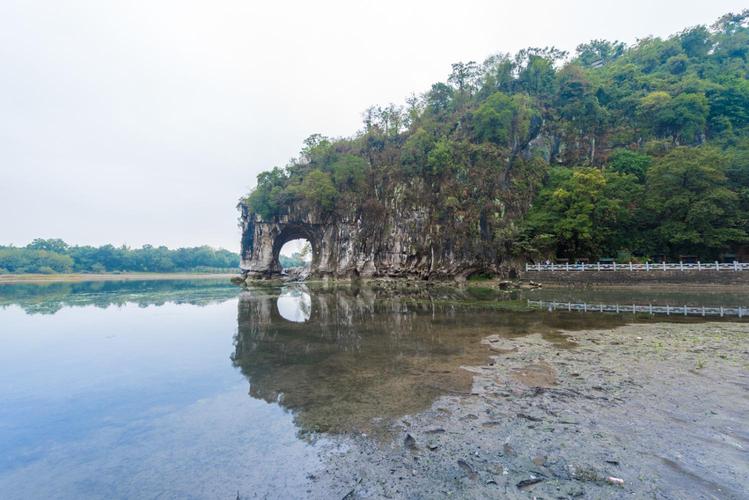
648, 266
668, 310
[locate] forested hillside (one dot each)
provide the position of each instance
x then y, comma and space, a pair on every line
55, 256
610, 151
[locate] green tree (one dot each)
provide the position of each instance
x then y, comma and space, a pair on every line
629, 162
505, 120
318, 190
267, 197
579, 211
599, 52
51, 245
349, 172
691, 207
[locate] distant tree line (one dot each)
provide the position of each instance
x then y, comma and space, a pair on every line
55, 256
615, 150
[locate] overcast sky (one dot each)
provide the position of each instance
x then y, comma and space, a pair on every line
144, 121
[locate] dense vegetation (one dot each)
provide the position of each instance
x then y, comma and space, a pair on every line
615, 150
295, 260
55, 256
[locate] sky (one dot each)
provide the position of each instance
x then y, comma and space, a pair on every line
145, 121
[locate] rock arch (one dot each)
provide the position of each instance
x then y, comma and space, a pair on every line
397, 244
262, 242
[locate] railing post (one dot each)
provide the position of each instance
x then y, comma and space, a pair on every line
717, 266
614, 265
539, 266
583, 266
647, 265
630, 265
598, 264
664, 265
699, 265
681, 265
735, 266
552, 266
566, 266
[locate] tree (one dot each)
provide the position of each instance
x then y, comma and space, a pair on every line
696, 41
318, 190
51, 245
349, 172
581, 212
439, 98
440, 158
599, 52
629, 162
536, 73
692, 209
682, 118
465, 76
267, 197
505, 120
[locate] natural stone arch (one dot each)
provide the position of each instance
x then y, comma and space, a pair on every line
360, 246
262, 241
292, 231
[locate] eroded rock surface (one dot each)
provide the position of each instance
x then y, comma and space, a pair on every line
395, 244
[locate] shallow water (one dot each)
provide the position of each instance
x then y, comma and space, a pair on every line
196, 389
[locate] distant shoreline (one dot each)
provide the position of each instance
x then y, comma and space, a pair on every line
77, 277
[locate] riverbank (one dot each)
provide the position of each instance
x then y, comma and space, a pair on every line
654, 410
75, 277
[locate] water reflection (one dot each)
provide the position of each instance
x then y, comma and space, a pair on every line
294, 303
49, 298
135, 397
365, 355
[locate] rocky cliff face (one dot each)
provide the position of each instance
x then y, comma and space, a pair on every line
394, 242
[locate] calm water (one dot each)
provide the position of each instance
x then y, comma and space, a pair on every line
200, 390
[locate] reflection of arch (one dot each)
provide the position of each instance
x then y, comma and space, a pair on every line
294, 304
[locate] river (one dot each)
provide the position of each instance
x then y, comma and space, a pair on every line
200, 389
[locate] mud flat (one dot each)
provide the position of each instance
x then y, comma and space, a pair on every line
654, 410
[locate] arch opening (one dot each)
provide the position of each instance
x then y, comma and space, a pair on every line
300, 245
295, 254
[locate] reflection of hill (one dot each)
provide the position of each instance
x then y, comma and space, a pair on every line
366, 353
48, 298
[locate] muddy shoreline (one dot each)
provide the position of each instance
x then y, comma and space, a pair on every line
656, 410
